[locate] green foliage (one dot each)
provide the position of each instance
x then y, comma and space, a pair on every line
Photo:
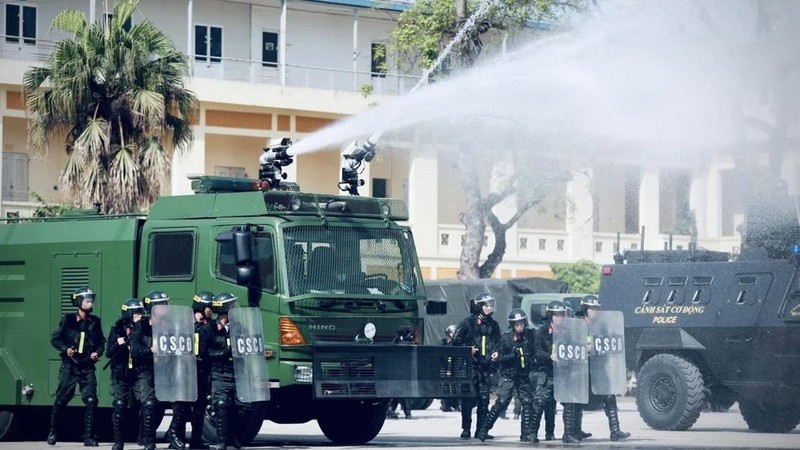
117, 97
48, 210
583, 276
366, 90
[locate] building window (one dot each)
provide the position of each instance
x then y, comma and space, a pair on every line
378, 67
523, 243
379, 188
225, 171
445, 239
598, 247
560, 245
634, 246
269, 49
207, 43
21, 23
107, 22
542, 244
15, 176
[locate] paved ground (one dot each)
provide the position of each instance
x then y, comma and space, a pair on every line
434, 428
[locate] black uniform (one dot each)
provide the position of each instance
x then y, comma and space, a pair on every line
144, 389
516, 357
449, 403
85, 337
123, 375
223, 384
202, 331
484, 336
542, 380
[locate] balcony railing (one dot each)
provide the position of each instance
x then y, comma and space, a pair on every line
233, 69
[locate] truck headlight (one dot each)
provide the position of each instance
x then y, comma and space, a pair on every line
303, 374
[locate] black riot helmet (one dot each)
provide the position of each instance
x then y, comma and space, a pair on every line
477, 303
517, 315
222, 302
154, 298
201, 301
555, 308
589, 301
130, 307
81, 294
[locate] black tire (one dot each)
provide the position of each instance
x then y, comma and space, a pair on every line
352, 423
9, 424
420, 403
249, 423
769, 418
670, 393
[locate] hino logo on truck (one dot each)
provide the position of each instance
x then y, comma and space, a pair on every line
322, 327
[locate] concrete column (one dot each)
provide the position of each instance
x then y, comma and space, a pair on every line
355, 50
649, 206
282, 42
423, 201
92, 11
580, 215
190, 35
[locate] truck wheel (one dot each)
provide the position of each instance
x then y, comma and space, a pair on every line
352, 423
249, 424
769, 418
8, 426
670, 393
420, 403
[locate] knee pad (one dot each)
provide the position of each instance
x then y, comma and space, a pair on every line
221, 404
119, 404
150, 404
90, 401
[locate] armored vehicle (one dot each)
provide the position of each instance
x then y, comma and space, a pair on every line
336, 279
702, 327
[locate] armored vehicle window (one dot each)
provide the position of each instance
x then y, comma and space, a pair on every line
263, 258
647, 294
652, 281
702, 281
747, 281
696, 296
677, 281
170, 255
342, 260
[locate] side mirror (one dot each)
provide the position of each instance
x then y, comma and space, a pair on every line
242, 245
244, 275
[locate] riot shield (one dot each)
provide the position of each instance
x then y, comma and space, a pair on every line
174, 363
571, 367
249, 364
607, 355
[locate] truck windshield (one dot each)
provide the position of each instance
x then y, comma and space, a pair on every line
342, 260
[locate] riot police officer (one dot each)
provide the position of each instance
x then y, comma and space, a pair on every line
79, 340
223, 383
589, 305
123, 375
201, 305
573, 412
542, 375
142, 350
516, 350
481, 333
449, 404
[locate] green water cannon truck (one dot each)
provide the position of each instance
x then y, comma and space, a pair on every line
336, 278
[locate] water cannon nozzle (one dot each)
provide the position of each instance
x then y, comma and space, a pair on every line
276, 156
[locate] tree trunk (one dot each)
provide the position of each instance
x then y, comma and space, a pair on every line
473, 221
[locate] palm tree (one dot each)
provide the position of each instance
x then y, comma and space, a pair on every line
117, 95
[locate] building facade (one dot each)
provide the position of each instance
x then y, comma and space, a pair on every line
265, 69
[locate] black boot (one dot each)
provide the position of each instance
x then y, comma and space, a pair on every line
613, 420
550, 421
528, 411
116, 422
488, 423
533, 420
221, 423
148, 428
52, 437
466, 421
173, 435
579, 433
481, 414
196, 442
88, 424
569, 424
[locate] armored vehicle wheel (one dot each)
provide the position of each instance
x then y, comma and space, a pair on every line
249, 423
670, 393
420, 403
352, 423
769, 418
9, 424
